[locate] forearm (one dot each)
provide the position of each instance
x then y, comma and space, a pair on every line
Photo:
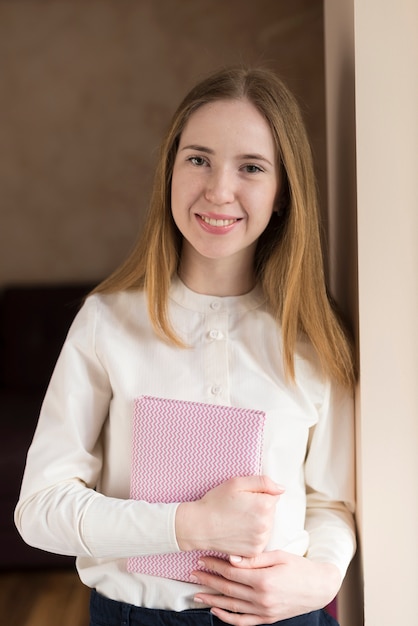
71, 519
332, 536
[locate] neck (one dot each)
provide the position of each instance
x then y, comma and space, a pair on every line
217, 277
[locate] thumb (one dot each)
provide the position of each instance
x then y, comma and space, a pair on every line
261, 484
265, 559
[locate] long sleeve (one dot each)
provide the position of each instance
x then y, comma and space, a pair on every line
330, 475
59, 509
75, 496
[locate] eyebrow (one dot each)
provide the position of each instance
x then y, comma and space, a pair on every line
251, 156
256, 157
198, 148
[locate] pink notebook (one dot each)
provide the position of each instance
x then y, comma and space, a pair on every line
181, 450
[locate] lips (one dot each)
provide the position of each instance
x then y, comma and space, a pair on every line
218, 222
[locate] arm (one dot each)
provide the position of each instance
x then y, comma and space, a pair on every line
330, 482
59, 509
277, 585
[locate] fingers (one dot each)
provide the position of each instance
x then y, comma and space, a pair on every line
231, 596
236, 517
219, 573
240, 618
265, 589
265, 559
239, 570
231, 599
258, 484
237, 619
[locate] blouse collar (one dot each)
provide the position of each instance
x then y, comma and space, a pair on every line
203, 303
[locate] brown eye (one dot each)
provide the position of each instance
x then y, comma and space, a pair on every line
252, 169
197, 160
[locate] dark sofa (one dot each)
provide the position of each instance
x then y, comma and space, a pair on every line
34, 321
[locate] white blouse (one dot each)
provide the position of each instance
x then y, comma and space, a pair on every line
75, 492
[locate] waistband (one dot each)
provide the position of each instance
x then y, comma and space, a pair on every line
107, 612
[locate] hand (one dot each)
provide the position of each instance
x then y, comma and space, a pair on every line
267, 588
234, 518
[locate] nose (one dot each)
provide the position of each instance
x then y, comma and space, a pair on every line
220, 187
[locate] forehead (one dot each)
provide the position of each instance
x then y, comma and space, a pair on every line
237, 121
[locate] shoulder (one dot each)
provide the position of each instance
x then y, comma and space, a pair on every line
114, 309
119, 303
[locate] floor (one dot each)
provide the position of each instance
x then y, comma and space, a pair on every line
43, 598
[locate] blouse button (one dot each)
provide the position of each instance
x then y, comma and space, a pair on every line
215, 334
216, 390
215, 305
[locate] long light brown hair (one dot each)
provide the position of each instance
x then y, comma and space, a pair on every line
288, 259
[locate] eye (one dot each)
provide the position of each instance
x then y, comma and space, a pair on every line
252, 169
198, 161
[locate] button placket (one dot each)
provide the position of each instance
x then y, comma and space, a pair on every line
216, 362
215, 334
215, 305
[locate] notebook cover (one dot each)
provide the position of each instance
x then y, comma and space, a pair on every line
181, 450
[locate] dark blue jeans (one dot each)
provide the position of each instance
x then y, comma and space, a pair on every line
105, 612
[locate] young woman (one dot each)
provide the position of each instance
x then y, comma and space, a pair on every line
223, 302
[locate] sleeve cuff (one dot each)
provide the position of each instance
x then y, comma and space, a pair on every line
124, 528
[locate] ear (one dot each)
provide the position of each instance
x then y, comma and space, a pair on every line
283, 198
279, 206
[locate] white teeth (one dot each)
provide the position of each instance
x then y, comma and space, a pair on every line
213, 222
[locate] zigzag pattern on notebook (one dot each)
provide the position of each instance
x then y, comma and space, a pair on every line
181, 450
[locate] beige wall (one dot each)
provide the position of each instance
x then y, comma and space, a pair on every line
87, 90
387, 154
379, 40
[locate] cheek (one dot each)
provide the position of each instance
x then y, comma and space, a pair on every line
183, 192
181, 201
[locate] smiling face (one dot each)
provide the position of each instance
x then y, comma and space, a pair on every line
224, 186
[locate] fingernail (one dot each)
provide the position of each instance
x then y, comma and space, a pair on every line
200, 564
235, 559
193, 578
198, 600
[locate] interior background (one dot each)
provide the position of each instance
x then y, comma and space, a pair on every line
87, 90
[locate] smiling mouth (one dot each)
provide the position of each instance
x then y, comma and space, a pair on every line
213, 222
